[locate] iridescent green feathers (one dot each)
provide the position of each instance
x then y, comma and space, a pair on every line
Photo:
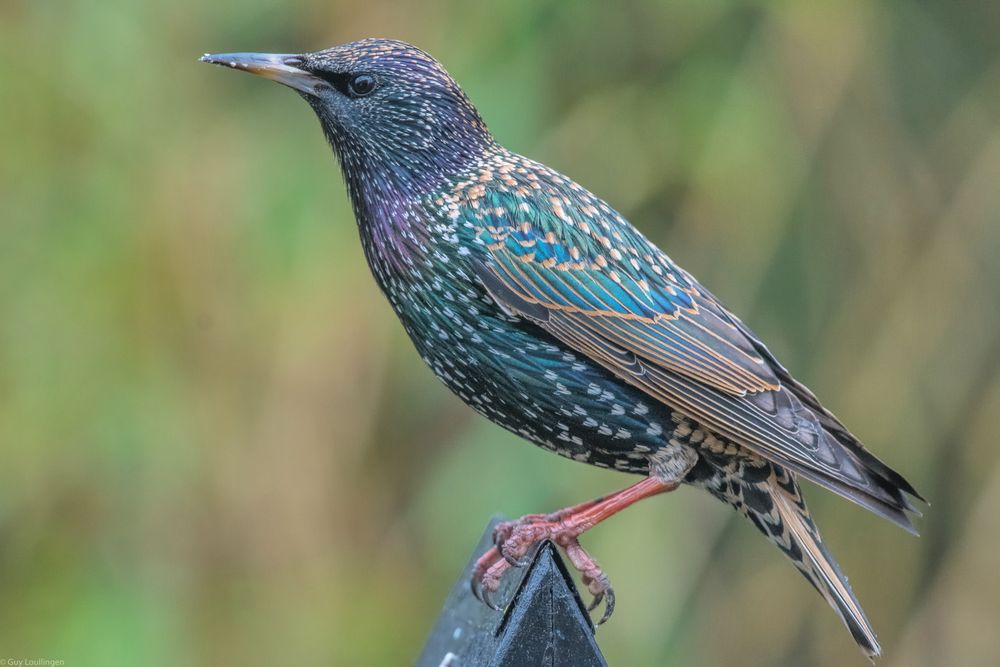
550, 251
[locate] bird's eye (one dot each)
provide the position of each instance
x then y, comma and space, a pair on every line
362, 85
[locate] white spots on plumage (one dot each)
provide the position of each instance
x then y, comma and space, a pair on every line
544, 392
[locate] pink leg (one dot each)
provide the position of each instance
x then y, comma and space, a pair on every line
514, 540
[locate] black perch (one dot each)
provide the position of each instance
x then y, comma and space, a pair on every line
546, 622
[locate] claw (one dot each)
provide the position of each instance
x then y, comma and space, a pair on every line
486, 576
476, 585
609, 605
593, 578
491, 582
479, 572
487, 599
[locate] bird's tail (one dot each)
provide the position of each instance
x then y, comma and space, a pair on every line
777, 508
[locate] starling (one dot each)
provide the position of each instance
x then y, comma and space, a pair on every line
548, 313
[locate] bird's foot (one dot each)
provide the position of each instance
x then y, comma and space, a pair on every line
514, 541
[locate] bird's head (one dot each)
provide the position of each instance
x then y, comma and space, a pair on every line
389, 109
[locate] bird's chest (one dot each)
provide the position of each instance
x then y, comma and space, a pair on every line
506, 368
422, 268
509, 371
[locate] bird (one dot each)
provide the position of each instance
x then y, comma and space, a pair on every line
547, 312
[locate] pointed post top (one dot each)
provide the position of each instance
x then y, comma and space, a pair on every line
544, 623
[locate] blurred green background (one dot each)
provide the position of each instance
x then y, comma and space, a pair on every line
220, 448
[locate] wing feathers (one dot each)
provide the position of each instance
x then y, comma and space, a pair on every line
600, 287
773, 423
689, 341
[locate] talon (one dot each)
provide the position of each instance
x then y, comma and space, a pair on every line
486, 576
491, 583
593, 578
487, 599
480, 571
474, 587
609, 606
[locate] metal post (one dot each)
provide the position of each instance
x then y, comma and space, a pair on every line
545, 623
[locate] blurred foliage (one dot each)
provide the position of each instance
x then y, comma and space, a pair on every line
219, 447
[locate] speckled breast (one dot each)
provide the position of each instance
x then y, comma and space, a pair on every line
512, 371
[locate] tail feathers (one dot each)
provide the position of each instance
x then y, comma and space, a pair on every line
789, 526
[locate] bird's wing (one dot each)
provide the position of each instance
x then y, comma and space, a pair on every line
595, 283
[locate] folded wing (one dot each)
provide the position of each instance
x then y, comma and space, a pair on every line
605, 291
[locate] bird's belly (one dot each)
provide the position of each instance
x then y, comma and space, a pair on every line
514, 374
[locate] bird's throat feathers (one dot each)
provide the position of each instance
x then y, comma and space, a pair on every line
386, 179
